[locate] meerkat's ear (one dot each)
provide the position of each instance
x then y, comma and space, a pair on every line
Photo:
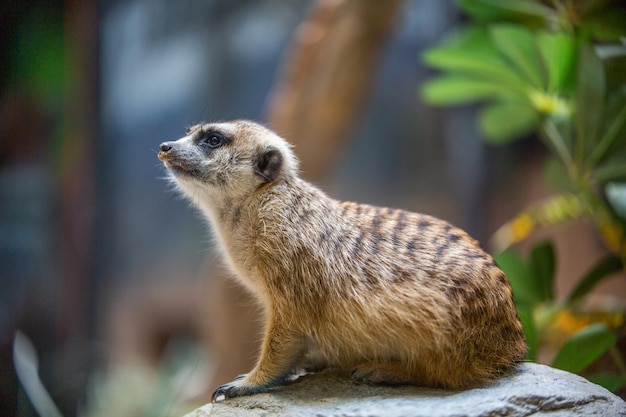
269, 164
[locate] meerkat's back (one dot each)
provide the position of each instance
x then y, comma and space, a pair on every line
397, 297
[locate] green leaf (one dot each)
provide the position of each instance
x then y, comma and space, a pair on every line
589, 100
456, 89
559, 208
504, 122
613, 169
471, 52
530, 331
542, 261
517, 44
484, 67
600, 271
558, 52
556, 176
613, 138
583, 348
524, 290
612, 382
614, 59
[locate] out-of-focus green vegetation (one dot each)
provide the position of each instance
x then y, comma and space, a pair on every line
175, 387
557, 69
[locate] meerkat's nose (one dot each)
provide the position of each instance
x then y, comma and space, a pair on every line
164, 149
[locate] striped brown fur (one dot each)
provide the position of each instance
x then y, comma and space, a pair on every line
395, 296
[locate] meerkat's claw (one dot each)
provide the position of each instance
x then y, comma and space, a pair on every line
238, 388
232, 389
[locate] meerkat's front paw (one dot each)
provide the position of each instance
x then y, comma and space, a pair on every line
235, 388
240, 387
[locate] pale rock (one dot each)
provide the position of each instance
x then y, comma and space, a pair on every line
532, 390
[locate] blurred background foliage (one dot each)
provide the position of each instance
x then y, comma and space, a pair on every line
107, 276
557, 68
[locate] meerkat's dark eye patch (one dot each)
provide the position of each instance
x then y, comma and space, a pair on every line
213, 140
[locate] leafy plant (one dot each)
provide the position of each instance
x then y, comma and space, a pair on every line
552, 79
555, 69
577, 338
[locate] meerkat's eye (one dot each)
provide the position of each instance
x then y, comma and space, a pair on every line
214, 140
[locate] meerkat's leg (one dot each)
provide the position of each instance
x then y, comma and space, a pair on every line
281, 351
383, 372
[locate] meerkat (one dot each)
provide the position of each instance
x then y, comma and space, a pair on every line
394, 296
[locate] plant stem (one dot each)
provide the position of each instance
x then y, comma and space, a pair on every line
557, 143
610, 173
561, 17
608, 138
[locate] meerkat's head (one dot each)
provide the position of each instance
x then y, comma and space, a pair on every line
227, 160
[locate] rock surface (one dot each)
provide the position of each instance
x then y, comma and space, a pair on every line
532, 389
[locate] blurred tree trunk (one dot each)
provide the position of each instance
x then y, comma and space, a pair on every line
327, 76
323, 86
76, 171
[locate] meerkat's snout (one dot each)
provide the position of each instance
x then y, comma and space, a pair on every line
164, 148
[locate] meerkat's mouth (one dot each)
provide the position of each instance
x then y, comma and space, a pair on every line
178, 168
